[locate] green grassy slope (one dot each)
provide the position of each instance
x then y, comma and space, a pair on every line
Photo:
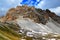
7, 32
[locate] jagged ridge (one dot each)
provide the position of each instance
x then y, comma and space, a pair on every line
38, 15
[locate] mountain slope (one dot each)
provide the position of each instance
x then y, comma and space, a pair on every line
30, 25
7, 33
28, 19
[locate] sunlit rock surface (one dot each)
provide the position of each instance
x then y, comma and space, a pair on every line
48, 28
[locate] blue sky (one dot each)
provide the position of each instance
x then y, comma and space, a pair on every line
53, 5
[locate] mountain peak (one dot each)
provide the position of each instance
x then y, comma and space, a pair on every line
35, 14
30, 23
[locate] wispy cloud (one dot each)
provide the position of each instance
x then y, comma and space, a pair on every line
9, 3
53, 5
6, 4
44, 4
56, 10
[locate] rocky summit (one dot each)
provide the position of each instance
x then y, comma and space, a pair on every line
25, 23
35, 14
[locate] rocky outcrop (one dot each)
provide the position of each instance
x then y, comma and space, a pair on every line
53, 16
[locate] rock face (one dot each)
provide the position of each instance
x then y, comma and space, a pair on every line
53, 16
37, 15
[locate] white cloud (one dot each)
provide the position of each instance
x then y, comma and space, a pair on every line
14, 2
7, 4
47, 4
56, 10
40, 4
53, 5
38, 0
